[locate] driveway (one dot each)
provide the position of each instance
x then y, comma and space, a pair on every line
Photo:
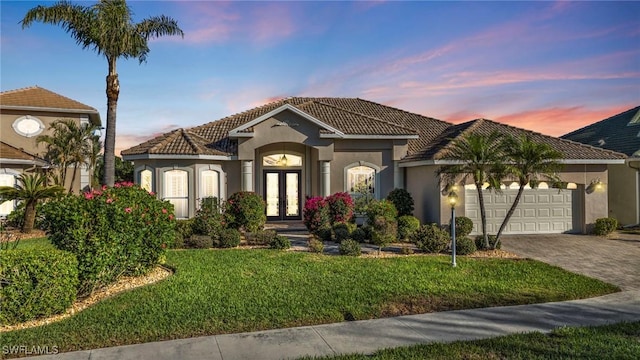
615, 260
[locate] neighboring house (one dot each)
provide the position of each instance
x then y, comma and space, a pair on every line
298, 147
619, 133
25, 114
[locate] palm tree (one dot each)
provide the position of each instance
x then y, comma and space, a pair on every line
529, 162
31, 188
69, 145
108, 28
477, 157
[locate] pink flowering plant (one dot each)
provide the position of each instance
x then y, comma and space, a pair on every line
115, 231
340, 207
315, 214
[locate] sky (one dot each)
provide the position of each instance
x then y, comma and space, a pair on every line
550, 67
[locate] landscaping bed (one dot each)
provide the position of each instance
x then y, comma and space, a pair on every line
229, 291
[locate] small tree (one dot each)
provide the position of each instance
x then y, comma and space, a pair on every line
402, 200
31, 189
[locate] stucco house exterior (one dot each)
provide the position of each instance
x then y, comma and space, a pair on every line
24, 114
297, 147
620, 133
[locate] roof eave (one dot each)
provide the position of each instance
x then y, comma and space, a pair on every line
175, 157
414, 163
365, 137
94, 115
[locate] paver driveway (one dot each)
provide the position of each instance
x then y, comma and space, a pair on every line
615, 260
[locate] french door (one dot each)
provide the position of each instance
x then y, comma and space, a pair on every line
282, 194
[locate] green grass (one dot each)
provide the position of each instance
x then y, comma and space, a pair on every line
228, 291
619, 341
42, 242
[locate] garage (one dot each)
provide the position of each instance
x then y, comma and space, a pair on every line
541, 210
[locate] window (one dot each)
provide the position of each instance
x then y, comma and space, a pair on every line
282, 160
209, 184
176, 190
28, 126
146, 180
7, 207
361, 180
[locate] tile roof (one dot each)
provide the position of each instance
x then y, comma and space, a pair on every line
619, 133
11, 152
37, 97
438, 148
176, 142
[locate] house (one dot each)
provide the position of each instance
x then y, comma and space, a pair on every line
297, 147
619, 133
26, 113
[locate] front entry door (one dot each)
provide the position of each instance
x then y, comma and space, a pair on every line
282, 194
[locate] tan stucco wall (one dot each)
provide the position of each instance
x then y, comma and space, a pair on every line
422, 183
623, 194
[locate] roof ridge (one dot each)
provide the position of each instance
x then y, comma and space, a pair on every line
637, 108
233, 116
166, 137
365, 116
405, 111
36, 87
20, 89
470, 128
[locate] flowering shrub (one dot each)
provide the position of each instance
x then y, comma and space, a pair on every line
315, 214
340, 207
116, 231
245, 209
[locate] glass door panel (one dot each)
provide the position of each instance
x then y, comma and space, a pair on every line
272, 186
293, 194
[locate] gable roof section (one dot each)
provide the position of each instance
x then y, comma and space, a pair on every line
351, 117
573, 152
179, 142
37, 98
619, 133
12, 154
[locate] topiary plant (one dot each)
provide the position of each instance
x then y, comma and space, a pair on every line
465, 246
605, 226
407, 225
349, 247
384, 232
464, 226
402, 200
384, 208
245, 210
431, 238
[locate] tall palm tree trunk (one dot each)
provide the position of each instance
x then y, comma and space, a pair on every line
73, 178
29, 217
483, 215
113, 91
509, 213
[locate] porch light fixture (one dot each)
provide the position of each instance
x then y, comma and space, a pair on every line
283, 160
453, 200
595, 185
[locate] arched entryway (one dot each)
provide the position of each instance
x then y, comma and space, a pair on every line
282, 181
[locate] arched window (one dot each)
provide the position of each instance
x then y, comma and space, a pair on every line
146, 180
176, 190
209, 184
361, 179
7, 179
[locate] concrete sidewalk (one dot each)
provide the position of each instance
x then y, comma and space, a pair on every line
371, 335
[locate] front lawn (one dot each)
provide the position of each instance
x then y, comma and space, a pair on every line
228, 291
619, 341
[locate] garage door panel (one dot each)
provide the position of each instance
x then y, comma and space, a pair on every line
539, 211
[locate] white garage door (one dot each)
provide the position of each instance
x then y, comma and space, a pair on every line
539, 211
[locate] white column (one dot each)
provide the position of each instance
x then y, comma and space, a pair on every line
325, 176
398, 176
247, 175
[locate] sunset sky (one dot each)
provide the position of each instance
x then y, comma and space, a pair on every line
550, 67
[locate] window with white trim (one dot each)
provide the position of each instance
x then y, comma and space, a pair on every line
7, 207
209, 184
361, 180
146, 180
176, 191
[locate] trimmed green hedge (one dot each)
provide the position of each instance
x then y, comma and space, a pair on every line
36, 283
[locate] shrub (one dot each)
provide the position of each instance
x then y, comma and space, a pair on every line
406, 250
324, 234
340, 207
209, 219
382, 208
261, 237
464, 226
280, 243
605, 226
245, 210
402, 200
384, 232
359, 235
465, 246
349, 247
315, 214
117, 231
479, 240
407, 225
199, 242
229, 238
342, 231
184, 230
36, 283
431, 238
315, 245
